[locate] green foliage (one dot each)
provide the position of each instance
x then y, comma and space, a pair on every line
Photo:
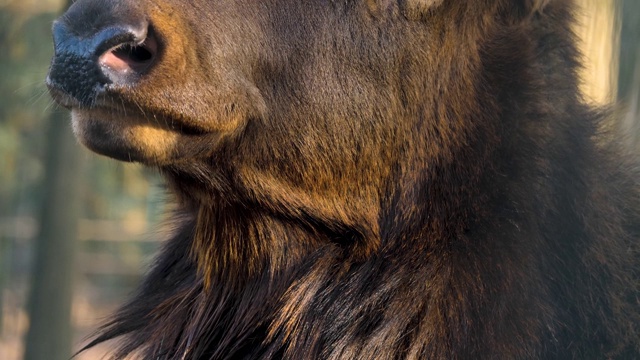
24, 46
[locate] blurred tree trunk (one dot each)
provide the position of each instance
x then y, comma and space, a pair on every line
629, 48
598, 29
50, 331
629, 77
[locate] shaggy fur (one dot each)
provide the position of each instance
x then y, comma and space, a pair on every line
366, 179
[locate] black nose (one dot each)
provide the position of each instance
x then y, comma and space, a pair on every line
85, 62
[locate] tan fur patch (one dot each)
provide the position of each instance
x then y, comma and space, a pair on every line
415, 9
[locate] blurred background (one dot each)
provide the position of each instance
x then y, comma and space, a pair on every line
77, 231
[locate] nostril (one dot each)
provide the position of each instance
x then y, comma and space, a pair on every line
131, 57
133, 53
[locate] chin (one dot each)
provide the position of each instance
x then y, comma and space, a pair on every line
125, 138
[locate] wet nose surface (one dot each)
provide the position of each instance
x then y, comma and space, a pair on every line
84, 62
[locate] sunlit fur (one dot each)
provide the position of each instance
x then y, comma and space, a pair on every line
375, 179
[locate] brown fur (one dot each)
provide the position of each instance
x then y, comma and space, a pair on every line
370, 179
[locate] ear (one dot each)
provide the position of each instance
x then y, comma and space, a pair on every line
417, 9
